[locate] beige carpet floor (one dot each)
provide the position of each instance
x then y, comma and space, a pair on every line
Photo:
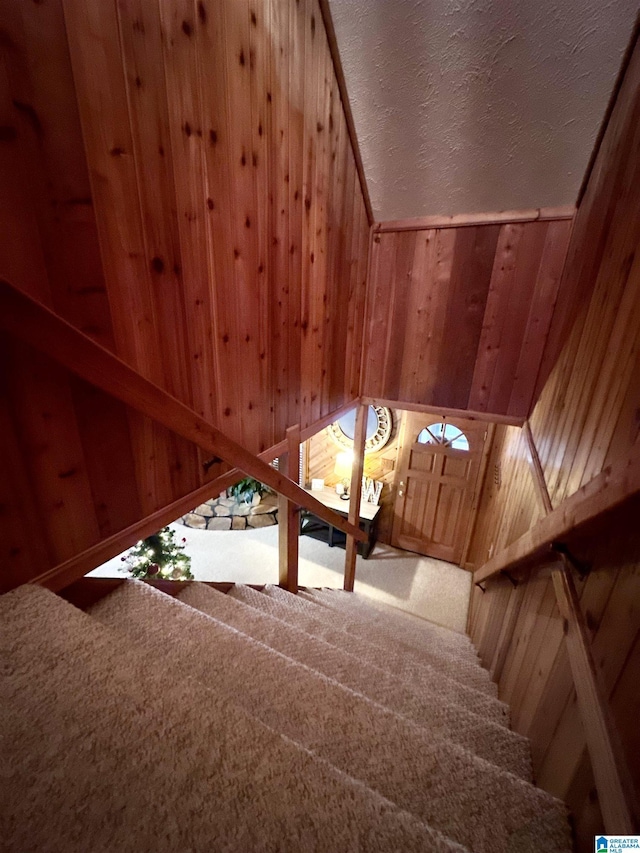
109, 749
210, 723
444, 785
487, 739
422, 586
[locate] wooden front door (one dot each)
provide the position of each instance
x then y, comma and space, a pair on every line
438, 468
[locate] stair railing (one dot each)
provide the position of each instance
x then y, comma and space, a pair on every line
43, 329
542, 547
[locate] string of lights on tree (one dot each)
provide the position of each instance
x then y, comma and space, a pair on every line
159, 556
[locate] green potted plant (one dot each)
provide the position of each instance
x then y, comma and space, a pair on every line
246, 489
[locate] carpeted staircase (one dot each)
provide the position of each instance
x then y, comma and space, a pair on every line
254, 721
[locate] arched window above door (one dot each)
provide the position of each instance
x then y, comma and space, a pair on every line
444, 434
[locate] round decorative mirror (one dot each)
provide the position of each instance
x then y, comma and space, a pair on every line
379, 426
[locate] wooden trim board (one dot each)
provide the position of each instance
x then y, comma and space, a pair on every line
626, 59
323, 423
487, 417
421, 223
542, 492
346, 105
85, 592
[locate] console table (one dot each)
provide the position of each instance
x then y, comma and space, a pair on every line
311, 525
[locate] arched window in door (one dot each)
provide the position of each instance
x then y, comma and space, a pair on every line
444, 434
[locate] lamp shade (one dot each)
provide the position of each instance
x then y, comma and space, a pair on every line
344, 462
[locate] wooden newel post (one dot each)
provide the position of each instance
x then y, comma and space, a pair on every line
356, 493
288, 521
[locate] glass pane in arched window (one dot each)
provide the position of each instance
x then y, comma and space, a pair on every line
444, 434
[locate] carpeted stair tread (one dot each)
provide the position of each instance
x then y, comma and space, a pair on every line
449, 663
419, 628
106, 748
423, 680
422, 635
490, 741
440, 783
351, 607
417, 631
407, 617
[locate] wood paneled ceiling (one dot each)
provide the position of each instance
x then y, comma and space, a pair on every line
478, 105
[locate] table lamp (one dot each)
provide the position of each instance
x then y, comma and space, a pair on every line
342, 470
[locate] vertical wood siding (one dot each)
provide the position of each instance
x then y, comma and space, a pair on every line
458, 317
177, 180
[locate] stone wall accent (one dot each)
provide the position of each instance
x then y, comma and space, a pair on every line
226, 513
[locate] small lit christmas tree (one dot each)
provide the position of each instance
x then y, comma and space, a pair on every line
159, 556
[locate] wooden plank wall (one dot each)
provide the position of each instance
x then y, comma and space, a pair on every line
509, 490
176, 180
587, 416
535, 676
458, 316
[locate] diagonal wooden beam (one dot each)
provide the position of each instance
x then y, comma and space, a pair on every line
609, 767
22, 316
57, 577
613, 486
62, 574
539, 482
325, 11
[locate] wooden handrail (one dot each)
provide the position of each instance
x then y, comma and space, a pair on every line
607, 759
29, 320
615, 484
59, 576
62, 574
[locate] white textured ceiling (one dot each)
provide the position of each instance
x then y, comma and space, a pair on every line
466, 106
